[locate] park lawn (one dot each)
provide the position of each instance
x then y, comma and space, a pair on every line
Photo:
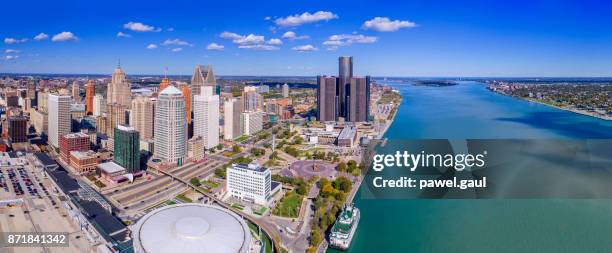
289, 206
242, 138
210, 184
183, 198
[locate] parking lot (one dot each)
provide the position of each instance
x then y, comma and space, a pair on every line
34, 206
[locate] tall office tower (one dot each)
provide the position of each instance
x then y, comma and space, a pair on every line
17, 129
359, 99
253, 101
206, 116
202, 76
187, 94
252, 122
285, 90
90, 91
59, 117
31, 91
43, 100
118, 91
142, 116
99, 105
116, 114
345, 72
327, 101
76, 95
127, 148
232, 128
170, 126
164, 84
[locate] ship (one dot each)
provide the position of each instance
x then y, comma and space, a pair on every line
344, 229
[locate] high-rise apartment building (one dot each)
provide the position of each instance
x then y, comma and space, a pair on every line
118, 91
90, 91
42, 98
359, 99
127, 148
76, 95
206, 116
170, 126
327, 101
252, 122
232, 110
59, 117
253, 101
187, 94
142, 116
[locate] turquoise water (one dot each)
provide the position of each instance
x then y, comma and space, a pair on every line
469, 110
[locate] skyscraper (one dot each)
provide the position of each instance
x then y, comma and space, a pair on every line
206, 116
187, 94
345, 72
170, 126
327, 101
59, 117
99, 105
202, 76
232, 128
127, 148
116, 114
142, 116
75, 92
359, 99
118, 91
90, 91
285, 90
17, 129
252, 122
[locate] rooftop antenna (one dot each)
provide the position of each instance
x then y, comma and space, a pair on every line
166, 72
119, 63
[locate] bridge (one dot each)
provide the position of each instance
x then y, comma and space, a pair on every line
270, 232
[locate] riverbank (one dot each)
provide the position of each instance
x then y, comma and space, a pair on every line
574, 110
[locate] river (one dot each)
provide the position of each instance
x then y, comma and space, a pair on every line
469, 110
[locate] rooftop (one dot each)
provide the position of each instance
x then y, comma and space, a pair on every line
110, 167
171, 90
76, 135
252, 166
347, 133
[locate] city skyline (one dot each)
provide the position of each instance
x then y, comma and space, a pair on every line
413, 38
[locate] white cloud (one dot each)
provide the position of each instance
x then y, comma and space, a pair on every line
151, 46
11, 51
259, 47
215, 47
41, 36
124, 35
170, 29
305, 18
293, 36
250, 39
11, 57
274, 42
178, 49
64, 36
305, 48
339, 40
140, 27
176, 42
230, 35
384, 24
268, 18
14, 41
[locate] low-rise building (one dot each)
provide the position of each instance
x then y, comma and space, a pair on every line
84, 162
347, 137
73, 142
249, 182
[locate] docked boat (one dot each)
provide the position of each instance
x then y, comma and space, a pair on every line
344, 229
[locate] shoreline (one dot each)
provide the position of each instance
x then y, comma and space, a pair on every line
573, 110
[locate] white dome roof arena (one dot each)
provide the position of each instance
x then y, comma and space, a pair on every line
188, 228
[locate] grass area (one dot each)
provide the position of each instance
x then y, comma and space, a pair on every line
210, 184
184, 198
237, 206
259, 211
242, 138
253, 227
289, 206
268, 244
170, 202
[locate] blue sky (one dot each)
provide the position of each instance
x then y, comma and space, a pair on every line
386, 38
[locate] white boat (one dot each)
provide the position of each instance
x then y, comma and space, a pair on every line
344, 229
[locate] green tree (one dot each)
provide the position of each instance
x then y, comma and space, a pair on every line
194, 181
236, 149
